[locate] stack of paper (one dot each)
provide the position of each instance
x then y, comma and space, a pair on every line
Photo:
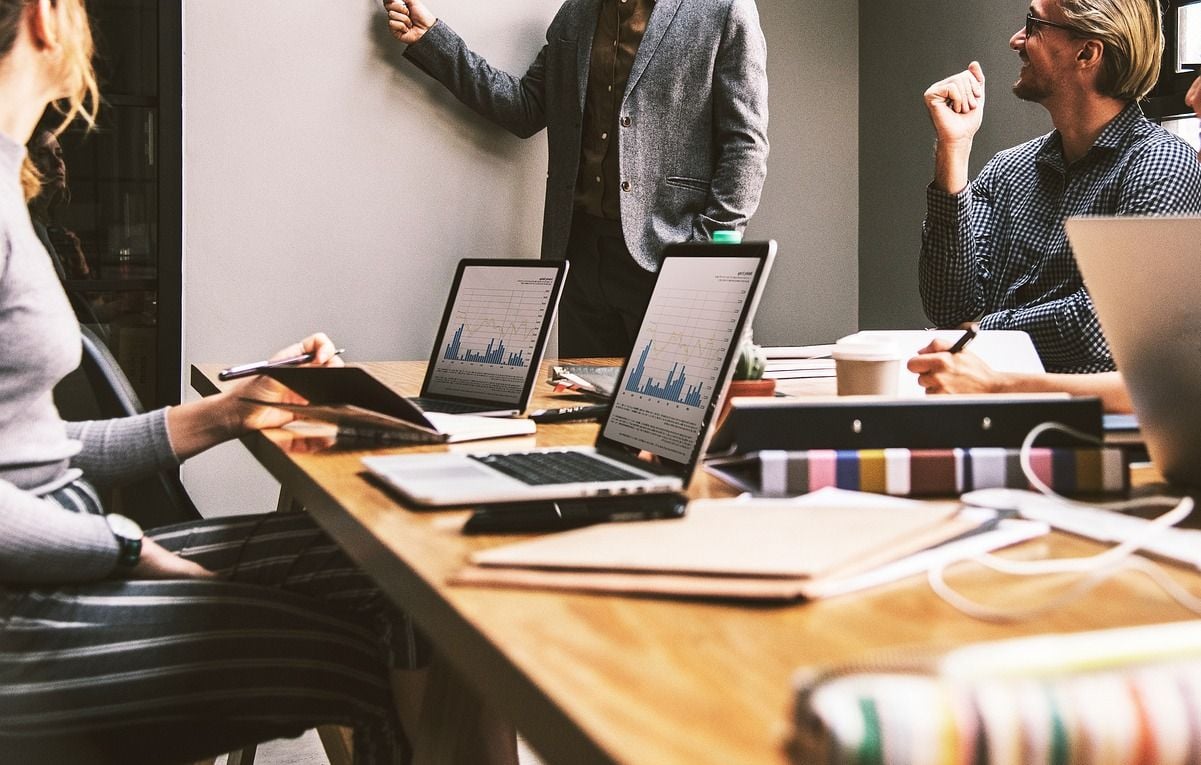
827, 543
790, 362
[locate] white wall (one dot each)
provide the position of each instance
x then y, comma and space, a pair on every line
330, 185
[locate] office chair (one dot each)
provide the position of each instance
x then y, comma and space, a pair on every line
100, 390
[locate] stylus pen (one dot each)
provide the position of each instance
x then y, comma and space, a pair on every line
256, 367
964, 339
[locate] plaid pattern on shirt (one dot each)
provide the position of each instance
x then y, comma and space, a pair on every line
998, 252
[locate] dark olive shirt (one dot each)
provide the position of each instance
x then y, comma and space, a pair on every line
619, 31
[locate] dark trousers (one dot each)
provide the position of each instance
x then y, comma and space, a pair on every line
606, 294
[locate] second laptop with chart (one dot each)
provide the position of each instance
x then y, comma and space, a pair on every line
489, 345
663, 410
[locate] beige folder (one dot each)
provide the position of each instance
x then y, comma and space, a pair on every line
761, 550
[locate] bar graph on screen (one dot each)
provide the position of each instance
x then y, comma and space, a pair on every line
492, 333
673, 374
668, 391
489, 355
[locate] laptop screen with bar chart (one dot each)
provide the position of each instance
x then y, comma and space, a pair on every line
681, 356
494, 330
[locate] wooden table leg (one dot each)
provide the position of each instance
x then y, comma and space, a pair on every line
456, 728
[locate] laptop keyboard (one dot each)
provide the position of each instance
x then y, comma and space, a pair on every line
543, 468
449, 407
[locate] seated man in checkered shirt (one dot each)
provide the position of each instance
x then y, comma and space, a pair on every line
994, 250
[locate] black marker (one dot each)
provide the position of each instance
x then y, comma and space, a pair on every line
570, 414
257, 367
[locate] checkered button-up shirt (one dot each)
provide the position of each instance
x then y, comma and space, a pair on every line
998, 252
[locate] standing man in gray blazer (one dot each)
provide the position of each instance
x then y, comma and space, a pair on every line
656, 119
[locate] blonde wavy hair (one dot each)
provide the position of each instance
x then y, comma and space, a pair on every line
75, 72
1132, 32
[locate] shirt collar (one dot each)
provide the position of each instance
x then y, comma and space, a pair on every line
1115, 132
1112, 136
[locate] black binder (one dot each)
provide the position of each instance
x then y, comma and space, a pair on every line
871, 422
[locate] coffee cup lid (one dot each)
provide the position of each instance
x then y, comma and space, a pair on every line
859, 348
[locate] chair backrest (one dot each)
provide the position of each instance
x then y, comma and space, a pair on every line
155, 501
114, 393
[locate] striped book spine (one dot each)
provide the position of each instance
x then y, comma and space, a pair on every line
942, 472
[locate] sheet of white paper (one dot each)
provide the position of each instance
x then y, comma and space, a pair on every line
1003, 350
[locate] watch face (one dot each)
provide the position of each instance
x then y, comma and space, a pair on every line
123, 527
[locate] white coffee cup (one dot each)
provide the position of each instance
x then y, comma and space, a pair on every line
866, 366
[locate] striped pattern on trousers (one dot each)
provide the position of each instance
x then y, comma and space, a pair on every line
292, 636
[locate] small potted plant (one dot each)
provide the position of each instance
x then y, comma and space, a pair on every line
748, 374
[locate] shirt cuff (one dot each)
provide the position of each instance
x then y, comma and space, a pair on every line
944, 206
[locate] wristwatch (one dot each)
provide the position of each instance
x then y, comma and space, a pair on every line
129, 537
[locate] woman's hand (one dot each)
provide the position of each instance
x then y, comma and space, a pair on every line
199, 425
157, 562
252, 417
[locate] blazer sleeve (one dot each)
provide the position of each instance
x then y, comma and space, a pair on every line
517, 104
740, 123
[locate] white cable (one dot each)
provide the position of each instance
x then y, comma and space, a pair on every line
1095, 569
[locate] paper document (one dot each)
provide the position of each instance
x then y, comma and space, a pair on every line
826, 543
798, 351
1003, 350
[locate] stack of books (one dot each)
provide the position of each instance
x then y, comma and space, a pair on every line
791, 362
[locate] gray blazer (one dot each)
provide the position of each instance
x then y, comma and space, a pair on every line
693, 122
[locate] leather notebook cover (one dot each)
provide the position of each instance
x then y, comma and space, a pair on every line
360, 404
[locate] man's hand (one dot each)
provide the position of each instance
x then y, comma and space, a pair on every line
964, 372
956, 105
408, 20
159, 563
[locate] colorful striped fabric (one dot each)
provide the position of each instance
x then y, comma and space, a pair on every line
1142, 712
935, 472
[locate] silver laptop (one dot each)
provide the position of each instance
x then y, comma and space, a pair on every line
663, 410
1144, 277
488, 349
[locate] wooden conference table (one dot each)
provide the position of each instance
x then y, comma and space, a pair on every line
597, 678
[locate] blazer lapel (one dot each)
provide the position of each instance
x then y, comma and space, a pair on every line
661, 18
589, 11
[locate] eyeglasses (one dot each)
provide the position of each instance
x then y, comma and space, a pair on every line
1031, 20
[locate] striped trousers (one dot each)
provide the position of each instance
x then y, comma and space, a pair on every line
138, 671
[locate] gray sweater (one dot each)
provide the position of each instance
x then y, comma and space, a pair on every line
39, 345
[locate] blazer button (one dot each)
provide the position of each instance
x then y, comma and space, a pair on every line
625, 121
626, 186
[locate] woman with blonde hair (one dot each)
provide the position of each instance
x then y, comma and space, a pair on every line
189, 640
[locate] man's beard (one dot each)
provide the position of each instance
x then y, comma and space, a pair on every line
1030, 91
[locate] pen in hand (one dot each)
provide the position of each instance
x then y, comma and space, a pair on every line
964, 339
257, 367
